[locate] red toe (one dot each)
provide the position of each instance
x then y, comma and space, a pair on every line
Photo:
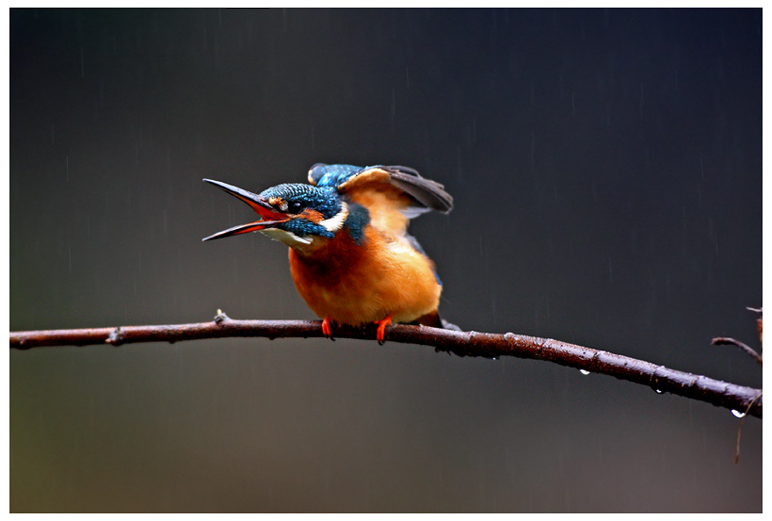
327, 327
381, 334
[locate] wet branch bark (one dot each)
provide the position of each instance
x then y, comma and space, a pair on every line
743, 399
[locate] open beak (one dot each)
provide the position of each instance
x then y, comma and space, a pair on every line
269, 217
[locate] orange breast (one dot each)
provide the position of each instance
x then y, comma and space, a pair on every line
353, 284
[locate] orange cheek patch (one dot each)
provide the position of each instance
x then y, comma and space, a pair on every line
311, 215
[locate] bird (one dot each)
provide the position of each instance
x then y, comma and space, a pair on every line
350, 256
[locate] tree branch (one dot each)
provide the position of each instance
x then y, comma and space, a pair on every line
745, 400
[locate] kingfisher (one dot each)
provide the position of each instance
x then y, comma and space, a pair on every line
350, 255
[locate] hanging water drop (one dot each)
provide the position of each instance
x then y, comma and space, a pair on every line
738, 414
584, 371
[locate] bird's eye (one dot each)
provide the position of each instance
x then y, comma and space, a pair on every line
294, 207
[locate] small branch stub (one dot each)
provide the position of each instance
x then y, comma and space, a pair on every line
115, 337
220, 317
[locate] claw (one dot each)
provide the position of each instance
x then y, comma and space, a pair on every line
327, 328
381, 334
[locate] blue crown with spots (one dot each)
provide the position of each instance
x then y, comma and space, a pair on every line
298, 197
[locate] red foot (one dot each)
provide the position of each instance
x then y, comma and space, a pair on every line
381, 334
326, 328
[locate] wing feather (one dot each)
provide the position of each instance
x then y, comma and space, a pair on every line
392, 194
430, 193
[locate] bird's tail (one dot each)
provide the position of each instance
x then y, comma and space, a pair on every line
434, 319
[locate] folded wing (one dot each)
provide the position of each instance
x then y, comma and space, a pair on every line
392, 194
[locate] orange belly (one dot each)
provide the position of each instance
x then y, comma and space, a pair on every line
353, 284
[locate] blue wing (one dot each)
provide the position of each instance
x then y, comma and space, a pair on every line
331, 175
425, 194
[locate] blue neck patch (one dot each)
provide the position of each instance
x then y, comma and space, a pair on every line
356, 222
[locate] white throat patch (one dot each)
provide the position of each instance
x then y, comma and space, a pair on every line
288, 238
335, 223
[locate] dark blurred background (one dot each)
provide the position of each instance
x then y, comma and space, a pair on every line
606, 168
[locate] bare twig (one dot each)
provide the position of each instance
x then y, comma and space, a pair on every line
731, 341
471, 343
745, 347
742, 415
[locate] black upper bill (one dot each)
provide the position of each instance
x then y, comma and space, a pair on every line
270, 217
